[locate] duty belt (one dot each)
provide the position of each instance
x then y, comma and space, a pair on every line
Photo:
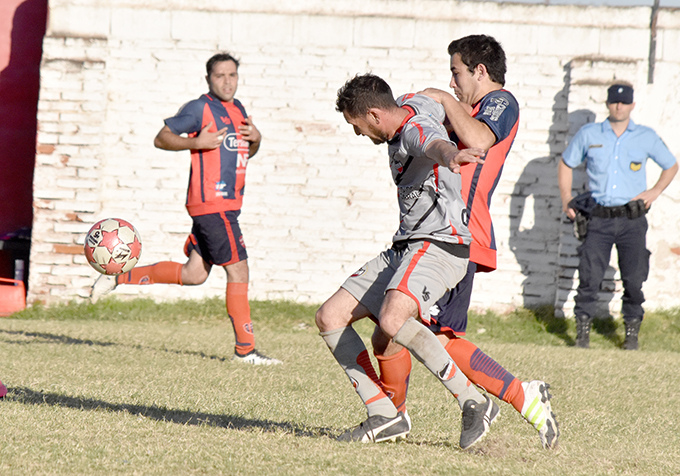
630, 210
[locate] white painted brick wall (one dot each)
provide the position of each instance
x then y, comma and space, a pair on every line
320, 200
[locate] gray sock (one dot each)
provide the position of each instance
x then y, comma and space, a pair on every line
350, 352
425, 347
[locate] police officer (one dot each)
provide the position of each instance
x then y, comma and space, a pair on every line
615, 152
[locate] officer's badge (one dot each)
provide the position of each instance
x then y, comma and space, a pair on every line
635, 166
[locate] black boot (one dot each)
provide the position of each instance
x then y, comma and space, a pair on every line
583, 324
632, 330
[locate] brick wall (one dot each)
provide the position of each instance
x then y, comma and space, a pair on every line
319, 200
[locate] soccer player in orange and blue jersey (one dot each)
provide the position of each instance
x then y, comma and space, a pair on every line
222, 138
484, 116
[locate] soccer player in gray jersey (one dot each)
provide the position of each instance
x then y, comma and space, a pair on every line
429, 256
430, 201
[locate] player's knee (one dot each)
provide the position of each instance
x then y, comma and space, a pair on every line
389, 325
380, 341
321, 319
192, 277
329, 318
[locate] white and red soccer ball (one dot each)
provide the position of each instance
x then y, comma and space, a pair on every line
113, 246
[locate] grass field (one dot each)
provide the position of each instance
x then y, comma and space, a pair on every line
148, 389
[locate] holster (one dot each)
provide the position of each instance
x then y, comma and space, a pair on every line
583, 204
581, 225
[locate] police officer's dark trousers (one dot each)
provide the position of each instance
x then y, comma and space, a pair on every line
629, 236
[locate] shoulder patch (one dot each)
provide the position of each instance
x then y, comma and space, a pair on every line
496, 108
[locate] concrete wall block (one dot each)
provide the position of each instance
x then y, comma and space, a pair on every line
666, 45
320, 31
198, 25
53, 259
52, 194
138, 23
263, 29
582, 41
625, 42
87, 207
376, 33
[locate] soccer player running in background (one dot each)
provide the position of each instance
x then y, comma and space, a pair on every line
485, 116
428, 257
222, 138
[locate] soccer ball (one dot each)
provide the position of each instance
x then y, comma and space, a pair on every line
113, 246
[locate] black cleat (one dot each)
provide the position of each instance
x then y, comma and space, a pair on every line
477, 417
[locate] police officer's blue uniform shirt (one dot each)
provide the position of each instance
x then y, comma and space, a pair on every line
616, 165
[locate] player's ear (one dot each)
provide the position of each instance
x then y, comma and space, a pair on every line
481, 70
374, 115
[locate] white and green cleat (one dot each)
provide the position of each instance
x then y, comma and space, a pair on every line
103, 285
537, 411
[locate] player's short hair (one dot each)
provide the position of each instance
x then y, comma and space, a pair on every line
481, 49
362, 93
219, 57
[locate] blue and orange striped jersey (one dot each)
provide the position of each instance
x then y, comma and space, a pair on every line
500, 111
217, 177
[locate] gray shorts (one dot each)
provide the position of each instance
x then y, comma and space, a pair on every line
419, 269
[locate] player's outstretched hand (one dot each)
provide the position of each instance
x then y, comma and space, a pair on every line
207, 140
436, 94
472, 155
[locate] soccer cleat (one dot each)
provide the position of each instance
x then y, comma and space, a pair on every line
378, 428
477, 417
537, 411
104, 284
3, 390
408, 419
255, 358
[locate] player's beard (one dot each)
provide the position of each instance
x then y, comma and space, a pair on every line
379, 136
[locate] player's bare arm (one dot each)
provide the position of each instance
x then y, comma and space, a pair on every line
664, 181
448, 155
252, 135
205, 140
470, 131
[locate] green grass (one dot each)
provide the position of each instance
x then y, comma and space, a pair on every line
142, 388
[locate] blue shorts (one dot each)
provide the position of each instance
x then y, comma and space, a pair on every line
450, 312
217, 238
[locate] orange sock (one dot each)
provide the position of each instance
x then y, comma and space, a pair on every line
395, 371
482, 370
165, 272
238, 310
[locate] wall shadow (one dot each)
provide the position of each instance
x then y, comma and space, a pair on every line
19, 90
536, 193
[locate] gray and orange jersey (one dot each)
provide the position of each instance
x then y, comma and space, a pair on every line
430, 202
